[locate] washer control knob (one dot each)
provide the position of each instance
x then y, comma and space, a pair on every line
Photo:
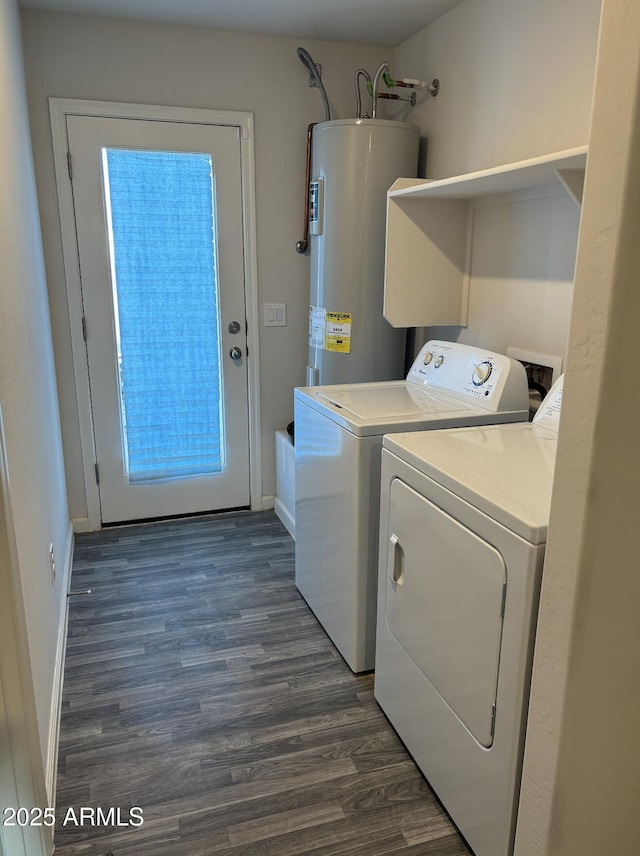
438, 361
427, 358
482, 373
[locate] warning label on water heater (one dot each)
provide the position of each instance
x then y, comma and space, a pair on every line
330, 331
317, 326
338, 332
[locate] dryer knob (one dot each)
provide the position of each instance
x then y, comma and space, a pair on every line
482, 373
427, 358
438, 361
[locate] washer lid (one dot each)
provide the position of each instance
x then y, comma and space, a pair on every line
506, 471
374, 409
389, 402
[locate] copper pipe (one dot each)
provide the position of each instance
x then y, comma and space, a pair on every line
301, 246
393, 97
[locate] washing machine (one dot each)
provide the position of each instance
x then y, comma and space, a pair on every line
463, 527
338, 443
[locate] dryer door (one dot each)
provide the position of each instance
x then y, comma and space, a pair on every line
444, 605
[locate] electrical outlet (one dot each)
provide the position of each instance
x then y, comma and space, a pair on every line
52, 564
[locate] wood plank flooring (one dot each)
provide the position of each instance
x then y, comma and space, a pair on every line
200, 687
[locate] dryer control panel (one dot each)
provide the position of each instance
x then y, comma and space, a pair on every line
489, 379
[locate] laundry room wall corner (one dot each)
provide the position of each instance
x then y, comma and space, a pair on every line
495, 107
581, 773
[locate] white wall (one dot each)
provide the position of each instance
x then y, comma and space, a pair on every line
581, 780
22, 778
516, 82
36, 488
75, 56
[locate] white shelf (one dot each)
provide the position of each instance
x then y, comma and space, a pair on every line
521, 175
430, 230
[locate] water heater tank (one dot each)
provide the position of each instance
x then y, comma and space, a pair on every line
354, 162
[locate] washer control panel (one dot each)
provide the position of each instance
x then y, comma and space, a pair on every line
492, 380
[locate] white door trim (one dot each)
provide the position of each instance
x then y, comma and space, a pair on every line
59, 109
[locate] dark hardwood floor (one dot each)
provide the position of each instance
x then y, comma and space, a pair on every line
200, 687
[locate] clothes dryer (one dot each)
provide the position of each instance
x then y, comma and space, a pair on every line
338, 443
463, 527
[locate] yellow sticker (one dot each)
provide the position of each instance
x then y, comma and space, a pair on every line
338, 332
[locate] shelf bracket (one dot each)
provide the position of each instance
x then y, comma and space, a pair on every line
573, 182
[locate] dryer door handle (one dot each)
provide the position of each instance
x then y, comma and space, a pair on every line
397, 562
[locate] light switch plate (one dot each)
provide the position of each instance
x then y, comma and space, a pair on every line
275, 314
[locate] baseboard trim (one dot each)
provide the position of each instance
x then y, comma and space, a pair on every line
80, 524
58, 676
286, 517
267, 503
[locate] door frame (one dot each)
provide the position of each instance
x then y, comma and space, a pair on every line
59, 109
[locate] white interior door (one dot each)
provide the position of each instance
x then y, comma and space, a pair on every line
159, 224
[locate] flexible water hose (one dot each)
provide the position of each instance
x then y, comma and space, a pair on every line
361, 72
305, 58
384, 67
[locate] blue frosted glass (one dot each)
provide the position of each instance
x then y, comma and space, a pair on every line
162, 228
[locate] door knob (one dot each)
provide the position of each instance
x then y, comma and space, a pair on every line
234, 326
235, 353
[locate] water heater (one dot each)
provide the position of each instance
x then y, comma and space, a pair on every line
354, 162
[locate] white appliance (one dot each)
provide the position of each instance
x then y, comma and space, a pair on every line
284, 504
354, 162
338, 441
463, 526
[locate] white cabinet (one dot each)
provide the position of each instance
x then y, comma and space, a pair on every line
430, 232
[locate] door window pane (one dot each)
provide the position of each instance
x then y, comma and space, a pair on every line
160, 211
